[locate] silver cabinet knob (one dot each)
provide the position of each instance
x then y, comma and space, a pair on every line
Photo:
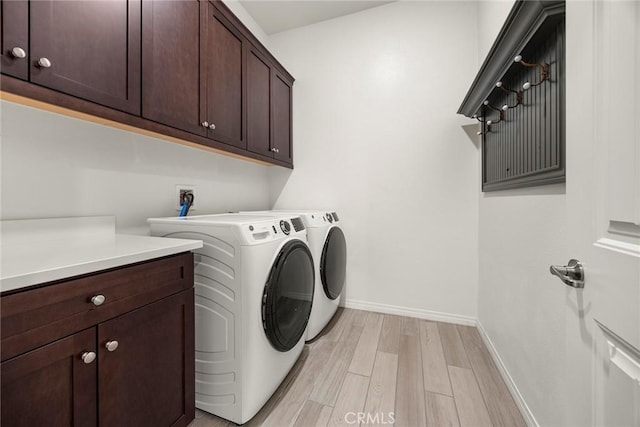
212, 126
111, 345
88, 357
205, 124
97, 299
44, 63
275, 150
18, 52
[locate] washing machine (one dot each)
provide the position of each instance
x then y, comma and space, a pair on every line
328, 246
254, 284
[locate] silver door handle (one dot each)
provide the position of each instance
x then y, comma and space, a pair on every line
571, 274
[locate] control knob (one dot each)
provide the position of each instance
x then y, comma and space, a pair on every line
285, 227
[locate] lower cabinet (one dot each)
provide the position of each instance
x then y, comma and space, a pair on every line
144, 377
135, 369
54, 385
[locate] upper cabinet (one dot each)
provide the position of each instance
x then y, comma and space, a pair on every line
222, 69
259, 103
171, 64
282, 116
88, 49
14, 17
186, 70
268, 108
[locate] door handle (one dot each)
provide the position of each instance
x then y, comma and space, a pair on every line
571, 274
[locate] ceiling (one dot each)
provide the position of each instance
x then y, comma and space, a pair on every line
275, 16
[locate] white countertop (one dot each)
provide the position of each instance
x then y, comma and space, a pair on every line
42, 250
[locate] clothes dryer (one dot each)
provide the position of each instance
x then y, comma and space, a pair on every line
254, 284
329, 249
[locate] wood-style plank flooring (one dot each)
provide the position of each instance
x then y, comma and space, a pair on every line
425, 373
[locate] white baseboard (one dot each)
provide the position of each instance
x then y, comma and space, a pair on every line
410, 312
522, 405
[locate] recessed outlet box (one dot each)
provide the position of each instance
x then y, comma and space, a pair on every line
182, 189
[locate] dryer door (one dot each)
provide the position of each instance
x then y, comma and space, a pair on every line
286, 302
333, 263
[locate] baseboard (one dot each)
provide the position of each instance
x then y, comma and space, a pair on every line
410, 312
522, 405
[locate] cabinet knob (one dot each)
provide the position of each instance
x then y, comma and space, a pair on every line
97, 299
111, 345
212, 126
18, 52
44, 63
275, 150
88, 357
205, 124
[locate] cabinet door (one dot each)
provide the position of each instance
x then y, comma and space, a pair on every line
147, 379
171, 64
14, 21
222, 68
258, 104
93, 48
52, 385
282, 119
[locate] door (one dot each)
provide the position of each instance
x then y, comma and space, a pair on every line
288, 294
14, 21
171, 65
88, 49
222, 69
603, 200
54, 385
144, 378
282, 118
258, 104
333, 263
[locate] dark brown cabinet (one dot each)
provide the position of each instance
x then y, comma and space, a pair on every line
52, 385
187, 71
222, 70
88, 49
282, 117
269, 118
147, 380
171, 64
129, 361
259, 104
14, 18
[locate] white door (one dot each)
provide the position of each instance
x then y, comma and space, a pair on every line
603, 201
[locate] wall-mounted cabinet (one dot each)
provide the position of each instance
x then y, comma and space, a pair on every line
222, 70
14, 19
171, 65
186, 70
269, 114
90, 50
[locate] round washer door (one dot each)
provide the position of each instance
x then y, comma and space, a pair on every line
333, 263
288, 294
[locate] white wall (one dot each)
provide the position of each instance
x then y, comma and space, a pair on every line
55, 166
521, 306
244, 16
377, 139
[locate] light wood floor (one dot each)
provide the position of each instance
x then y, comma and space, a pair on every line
425, 373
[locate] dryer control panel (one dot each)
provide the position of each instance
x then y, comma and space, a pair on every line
262, 231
